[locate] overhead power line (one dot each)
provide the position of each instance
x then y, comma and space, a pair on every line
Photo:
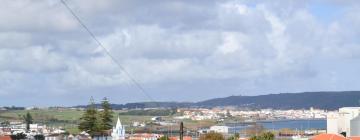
107, 52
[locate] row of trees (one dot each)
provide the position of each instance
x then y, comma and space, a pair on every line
94, 121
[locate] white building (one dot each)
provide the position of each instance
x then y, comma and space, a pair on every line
343, 121
219, 129
355, 126
332, 123
118, 132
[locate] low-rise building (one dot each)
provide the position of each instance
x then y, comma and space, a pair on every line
219, 129
144, 136
344, 121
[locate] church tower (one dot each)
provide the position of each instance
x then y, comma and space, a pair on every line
118, 132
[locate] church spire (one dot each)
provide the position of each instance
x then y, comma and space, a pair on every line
118, 123
118, 132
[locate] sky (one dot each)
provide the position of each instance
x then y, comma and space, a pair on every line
177, 50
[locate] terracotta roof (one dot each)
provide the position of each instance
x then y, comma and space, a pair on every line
355, 138
328, 137
5, 138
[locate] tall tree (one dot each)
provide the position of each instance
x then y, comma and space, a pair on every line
28, 120
106, 115
88, 122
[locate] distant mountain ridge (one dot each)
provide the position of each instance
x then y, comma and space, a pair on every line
305, 100
321, 100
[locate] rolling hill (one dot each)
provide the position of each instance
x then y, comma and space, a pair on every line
322, 100
305, 100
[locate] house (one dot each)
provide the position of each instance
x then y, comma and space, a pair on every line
54, 137
82, 136
156, 118
344, 121
219, 129
144, 136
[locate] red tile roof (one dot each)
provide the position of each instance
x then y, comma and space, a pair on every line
5, 138
355, 138
328, 137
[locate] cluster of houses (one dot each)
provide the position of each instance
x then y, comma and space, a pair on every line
263, 114
343, 125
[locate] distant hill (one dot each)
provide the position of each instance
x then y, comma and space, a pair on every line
141, 105
321, 100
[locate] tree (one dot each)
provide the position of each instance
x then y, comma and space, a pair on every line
264, 136
228, 114
212, 136
28, 120
39, 137
106, 115
89, 122
5, 124
236, 136
164, 138
18, 136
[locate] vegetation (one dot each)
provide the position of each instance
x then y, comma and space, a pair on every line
212, 136
69, 118
89, 121
39, 137
4, 124
236, 136
18, 136
164, 138
93, 121
28, 120
330, 100
264, 136
14, 108
106, 115
151, 112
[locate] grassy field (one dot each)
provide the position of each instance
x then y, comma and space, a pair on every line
65, 118
62, 115
69, 118
39, 115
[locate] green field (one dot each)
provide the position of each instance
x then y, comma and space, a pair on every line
69, 118
65, 118
39, 115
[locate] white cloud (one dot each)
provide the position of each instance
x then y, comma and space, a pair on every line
231, 46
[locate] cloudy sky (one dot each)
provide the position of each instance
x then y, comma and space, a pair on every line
177, 50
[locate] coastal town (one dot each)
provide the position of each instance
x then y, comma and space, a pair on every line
227, 121
179, 70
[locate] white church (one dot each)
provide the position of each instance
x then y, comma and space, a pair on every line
118, 132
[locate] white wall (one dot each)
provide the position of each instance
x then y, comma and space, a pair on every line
342, 121
332, 125
220, 129
355, 127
